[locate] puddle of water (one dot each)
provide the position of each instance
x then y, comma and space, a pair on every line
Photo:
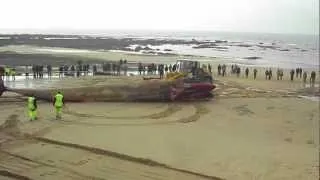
312, 98
308, 85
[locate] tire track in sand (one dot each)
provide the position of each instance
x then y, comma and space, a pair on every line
9, 174
142, 161
165, 113
200, 110
20, 158
105, 163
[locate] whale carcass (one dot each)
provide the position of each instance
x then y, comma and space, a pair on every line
119, 89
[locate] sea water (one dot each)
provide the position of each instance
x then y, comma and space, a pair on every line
273, 50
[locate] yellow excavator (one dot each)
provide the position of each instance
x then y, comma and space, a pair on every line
174, 75
191, 71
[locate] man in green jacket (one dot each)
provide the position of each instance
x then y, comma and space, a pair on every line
32, 108
58, 103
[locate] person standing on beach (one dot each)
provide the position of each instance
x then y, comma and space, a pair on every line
58, 103
224, 68
34, 71
219, 70
238, 71
166, 69
305, 77
94, 69
255, 73
13, 74
210, 68
5, 73
125, 67
140, 68
170, 68
312, 78
270, 74
291, 74
49, 70
300, 72
267, 74
174, 68
247, 72
297, 72
281, 74
118, 68
278, 74
161, 71
32, 108
60, 71
1, 73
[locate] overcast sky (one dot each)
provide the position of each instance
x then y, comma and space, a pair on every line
274, 16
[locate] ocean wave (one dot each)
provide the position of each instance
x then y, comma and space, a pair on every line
5, 38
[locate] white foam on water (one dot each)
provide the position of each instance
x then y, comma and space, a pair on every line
127, 52
52, 38
62, 50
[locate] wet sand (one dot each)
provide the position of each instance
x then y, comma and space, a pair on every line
251, 130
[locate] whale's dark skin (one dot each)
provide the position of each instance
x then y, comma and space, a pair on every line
155, 90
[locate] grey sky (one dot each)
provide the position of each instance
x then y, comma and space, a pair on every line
274, 16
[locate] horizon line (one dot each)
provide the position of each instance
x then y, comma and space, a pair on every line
78, 31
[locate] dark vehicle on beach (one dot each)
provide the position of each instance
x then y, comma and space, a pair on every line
194, 82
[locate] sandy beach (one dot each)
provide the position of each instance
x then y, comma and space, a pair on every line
252, 129
160, 90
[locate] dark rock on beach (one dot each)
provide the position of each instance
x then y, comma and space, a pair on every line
220, 41
207, 45
252, 58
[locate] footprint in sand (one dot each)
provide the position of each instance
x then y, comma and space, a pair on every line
243, 110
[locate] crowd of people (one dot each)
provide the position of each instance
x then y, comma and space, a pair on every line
121, 68
6, 72
235, 69
153, 68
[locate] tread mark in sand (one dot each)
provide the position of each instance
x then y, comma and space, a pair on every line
80, 175
9, 174
165, 113
124, 157
200, 110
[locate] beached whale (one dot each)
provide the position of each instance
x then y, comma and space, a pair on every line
124, 91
